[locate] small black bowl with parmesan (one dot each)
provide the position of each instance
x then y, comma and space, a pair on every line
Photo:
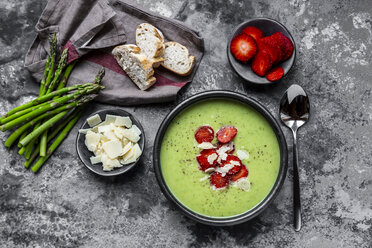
110, 142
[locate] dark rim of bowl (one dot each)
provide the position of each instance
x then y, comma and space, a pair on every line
229, 95
117, 171
244, 24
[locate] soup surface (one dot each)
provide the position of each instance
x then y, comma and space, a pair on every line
180, 168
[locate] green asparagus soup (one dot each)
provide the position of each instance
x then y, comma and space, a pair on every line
190, 185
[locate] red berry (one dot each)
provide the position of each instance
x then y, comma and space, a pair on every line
218, 180
256, 33
202, 159
272, 47
204, 134
286, 45
275, 74
226, 134
243, 172
229, 160
261, 63
243, 47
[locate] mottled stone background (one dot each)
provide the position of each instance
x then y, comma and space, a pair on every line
67, 206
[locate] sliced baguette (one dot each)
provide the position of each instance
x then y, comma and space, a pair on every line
177, 58
135, 64
151, 41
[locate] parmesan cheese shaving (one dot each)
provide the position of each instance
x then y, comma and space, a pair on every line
113, 142
206, 145
223, 170
243, 184
242, 154
211, 158
94, 120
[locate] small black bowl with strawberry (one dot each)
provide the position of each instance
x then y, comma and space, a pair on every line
261, 50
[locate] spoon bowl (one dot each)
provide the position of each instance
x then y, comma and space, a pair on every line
295, 107
294, 113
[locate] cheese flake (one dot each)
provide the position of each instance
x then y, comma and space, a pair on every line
243, 184
136, 129
111, 118
209, 170
222, 152
94, 120
242, 154
123, 121
206, 145
223, 170
92, 140
105, 128
84, 131
112, 148
113, 142
95, 160
126, 148
132, 136
211, 158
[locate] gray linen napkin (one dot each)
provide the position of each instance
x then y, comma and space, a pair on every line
91, 28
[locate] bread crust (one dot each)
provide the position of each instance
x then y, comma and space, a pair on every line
191, 60
156, 33
142, 59
140, 67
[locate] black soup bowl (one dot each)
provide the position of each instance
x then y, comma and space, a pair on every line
231, 96
269, 27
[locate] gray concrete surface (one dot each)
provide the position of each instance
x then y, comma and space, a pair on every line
67, 206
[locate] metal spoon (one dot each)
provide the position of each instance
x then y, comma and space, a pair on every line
294, 112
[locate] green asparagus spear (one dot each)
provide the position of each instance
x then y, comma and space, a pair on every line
13, 137
99, 76
34, 154
56, 143
52, 135
53, 55
29, 148
45, 126
22, 112
61, 65
22, 150
22, 136
46, 72
47, 65
66, 75
37, 112
45, 98
43, 143
57, 102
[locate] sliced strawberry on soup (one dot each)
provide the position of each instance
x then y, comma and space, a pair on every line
204, 134
271, 46
243, 47
230, 145
286, 45
226, 134
217, 180
207, 159
256, 33
234, 161
243, 172
261, 63
275, 74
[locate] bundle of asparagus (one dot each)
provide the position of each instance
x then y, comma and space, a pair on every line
48, 119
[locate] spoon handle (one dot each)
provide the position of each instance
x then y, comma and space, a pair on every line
296, 187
